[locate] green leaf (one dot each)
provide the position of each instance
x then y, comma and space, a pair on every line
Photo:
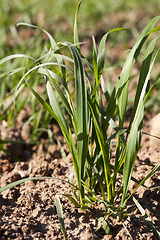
87, 200
104, 89
120, 91
76, 39
95, 65
119, 132
99, 66
149, 26
60, 215
10, 185
154, 86
3, 60
106, 227
103, 147
71, 181
146, 217
35, 68
53, 75
55, 106
54, 46
136, 130
97, 228
101, 52
152, 172
72, 200
81, 109
145, 70
58, 91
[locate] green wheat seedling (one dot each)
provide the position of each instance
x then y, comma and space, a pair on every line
89, 112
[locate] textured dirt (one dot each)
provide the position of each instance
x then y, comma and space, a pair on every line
28, 210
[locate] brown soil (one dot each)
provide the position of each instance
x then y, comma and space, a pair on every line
28, 210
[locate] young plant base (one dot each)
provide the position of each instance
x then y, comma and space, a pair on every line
89, 112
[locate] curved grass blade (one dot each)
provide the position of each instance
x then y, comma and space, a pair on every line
66, 132
152, 172
15, 56
146, 217
68, 103
59, 91
53, 44
53, 75
95, 64
101, 52
100, 57
22, 80
149, 26
65, 128
48, 108
13, 184
12, 72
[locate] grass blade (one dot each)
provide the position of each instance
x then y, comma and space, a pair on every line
76, 38
100, 57
72, 200
53, 75
53, 44
14, 56
120, 90
143, 75
13, 184
146, 217
101, 52
81, 110
59, 91
103, 147
71, 181
60, 215
136, 130
104, 225
152, 172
